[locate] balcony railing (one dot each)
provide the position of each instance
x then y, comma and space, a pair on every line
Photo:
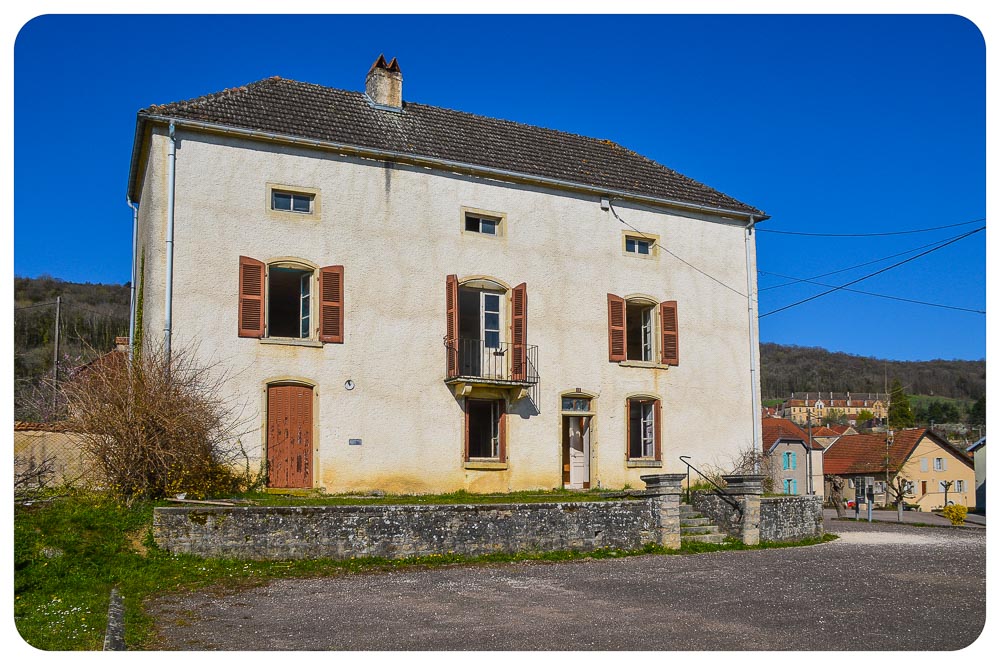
499, 363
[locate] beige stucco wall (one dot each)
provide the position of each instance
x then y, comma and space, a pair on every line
69, 465
396, 230
955, 469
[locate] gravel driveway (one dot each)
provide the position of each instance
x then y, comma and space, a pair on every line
826, 597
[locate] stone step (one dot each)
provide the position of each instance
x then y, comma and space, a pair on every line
695, 521
698, 530
705, 538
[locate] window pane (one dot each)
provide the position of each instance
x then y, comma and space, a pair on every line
491, 302
629, 245
301, 203
643, 247
472, 224
491, 321
575, 404
489, 226
492, 340
281, 201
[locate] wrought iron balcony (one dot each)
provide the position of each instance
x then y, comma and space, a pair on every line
497, 363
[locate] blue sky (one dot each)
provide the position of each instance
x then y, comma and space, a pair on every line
832, 124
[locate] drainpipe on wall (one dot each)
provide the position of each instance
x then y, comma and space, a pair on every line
171, 179
132, 292
752, 324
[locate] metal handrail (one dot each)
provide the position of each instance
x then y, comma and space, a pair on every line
718, 488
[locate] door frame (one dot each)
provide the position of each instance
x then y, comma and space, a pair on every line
592, 414
291, 381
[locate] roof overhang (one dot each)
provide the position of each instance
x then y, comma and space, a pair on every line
741, 217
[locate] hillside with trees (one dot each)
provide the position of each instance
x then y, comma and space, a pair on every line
90, 317
787, 369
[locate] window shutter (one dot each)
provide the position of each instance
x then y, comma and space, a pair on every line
784, 461
251, 308
668, 323
451, 334
923, 464
795, 461
503, 430
519, 332
331, 305
616, 328
657, 426
795, 486
944, 463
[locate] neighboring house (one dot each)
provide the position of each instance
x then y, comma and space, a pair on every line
796, 465
978, 452
825, 436
843, 430
415, 299
800, 407
924, 459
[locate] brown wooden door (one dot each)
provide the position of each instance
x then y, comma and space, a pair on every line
289, 436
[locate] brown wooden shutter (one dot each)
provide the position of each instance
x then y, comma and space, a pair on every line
616, 328
451, 333
502, 433
251, 314
668, 327
657, 425
519, 332
331, 304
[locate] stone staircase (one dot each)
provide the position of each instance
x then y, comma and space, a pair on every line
697, 528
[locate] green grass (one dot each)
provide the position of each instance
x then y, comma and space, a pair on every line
70, 552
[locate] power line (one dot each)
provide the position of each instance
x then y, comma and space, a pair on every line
877, 295
877, 272
41, 304
871, 235
796, 280
654, 243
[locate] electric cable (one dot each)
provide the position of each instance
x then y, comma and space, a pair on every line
871, 235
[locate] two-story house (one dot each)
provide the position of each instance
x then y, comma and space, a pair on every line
794, 463
416, 299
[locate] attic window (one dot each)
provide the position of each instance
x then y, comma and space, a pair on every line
635, 245
485, 225
292, 201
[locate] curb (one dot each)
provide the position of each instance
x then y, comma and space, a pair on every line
114, 638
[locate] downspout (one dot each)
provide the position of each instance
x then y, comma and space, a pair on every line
754, 348
132, 292
171, 180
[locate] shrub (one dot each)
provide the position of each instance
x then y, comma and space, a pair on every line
157, 426
955, 512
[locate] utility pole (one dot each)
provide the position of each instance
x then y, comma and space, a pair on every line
55, 358
809, 458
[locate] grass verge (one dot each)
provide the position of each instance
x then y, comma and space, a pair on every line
70, 552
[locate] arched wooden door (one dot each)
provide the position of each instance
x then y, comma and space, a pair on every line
289, 436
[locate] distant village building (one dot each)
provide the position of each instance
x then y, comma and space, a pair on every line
795, 464
801, 407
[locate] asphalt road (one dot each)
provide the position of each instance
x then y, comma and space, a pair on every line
833, 596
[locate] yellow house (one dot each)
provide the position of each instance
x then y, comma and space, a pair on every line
926, 460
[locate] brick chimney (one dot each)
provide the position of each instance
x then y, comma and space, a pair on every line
384, 84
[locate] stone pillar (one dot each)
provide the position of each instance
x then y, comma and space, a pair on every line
747, 489
664, 490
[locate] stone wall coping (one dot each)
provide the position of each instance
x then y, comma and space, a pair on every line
472, 507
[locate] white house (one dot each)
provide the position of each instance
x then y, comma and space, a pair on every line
415, 299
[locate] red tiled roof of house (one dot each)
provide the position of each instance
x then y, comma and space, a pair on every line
824, 431
23, 426
840, 429
866, 453
775, 429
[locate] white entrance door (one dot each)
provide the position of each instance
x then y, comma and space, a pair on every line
578, 431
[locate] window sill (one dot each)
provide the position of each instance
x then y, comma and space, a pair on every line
485, 465
643, 463
649, 364
291, 341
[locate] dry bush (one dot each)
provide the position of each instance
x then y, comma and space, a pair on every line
750, 460
32, 478
158, 426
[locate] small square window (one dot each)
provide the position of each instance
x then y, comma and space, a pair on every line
489, 226
292, 202
641, 246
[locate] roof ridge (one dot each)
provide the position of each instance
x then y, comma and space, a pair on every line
226, 92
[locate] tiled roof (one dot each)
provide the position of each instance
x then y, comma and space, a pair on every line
22, 426
282, 106
824, 431
775, 429
865, 453
840, 429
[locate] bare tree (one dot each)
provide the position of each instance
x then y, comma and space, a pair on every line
751, 460
157, 425
899, 488
837, 493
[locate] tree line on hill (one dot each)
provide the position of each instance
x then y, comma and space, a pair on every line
785, 369
90, 317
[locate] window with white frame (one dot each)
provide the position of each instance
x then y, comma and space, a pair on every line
643, 428
939, 464
638, 245
639, 322
286, 201
476, 223
959, 485
289, 292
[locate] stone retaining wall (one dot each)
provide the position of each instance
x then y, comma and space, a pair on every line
791, 518
398, 531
